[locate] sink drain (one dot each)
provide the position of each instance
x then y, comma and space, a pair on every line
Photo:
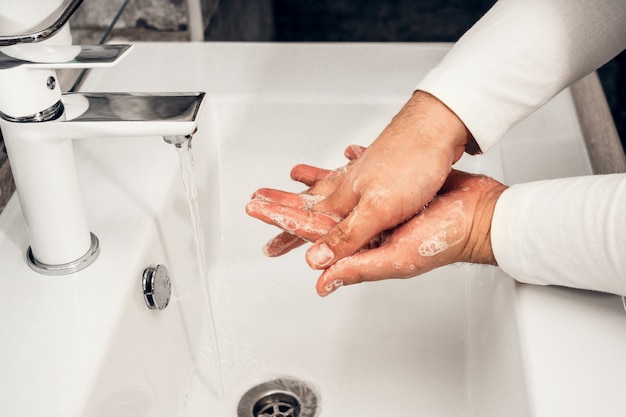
278, 404
278, 398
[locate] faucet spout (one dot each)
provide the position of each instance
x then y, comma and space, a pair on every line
90, 115
42, 161
179, 140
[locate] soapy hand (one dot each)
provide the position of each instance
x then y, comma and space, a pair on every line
454, 227
320, 182
394, 178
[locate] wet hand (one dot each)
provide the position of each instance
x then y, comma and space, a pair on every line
394, 178
320, 182
454, 227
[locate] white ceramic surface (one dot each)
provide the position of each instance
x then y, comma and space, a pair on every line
460, 341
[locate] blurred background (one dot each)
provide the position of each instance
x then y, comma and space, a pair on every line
295, 21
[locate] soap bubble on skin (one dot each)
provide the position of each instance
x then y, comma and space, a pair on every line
332, 286
284, 222
448, 234
441, 241
434, 245
310, 200
314, 231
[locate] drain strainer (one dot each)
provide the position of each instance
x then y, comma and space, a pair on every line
277, 404
278, 398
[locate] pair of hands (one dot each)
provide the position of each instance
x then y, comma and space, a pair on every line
396, 210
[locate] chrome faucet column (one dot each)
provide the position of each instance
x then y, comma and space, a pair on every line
39, 123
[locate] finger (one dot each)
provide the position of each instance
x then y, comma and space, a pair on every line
359, 227
431, 239
281, 244
311, 175
319, 180
385, 262
353, 152
306, 224
308, 175
298, 201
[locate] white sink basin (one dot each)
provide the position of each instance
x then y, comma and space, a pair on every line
459, 341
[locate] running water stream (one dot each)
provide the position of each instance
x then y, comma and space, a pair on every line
209, 350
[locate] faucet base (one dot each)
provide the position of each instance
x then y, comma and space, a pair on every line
68, 268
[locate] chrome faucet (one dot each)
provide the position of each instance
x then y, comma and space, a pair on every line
39, 123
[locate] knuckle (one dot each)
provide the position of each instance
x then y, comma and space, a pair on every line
341, 236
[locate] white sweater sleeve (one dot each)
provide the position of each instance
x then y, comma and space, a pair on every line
520, 55
569, 232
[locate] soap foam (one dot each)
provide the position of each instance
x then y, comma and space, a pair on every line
332, 286
310, 200
308, 228
397, 265
284, 222
448, 235
434, 245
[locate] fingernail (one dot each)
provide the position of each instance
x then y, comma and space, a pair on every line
320, 255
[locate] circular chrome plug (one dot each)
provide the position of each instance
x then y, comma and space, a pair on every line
157, 288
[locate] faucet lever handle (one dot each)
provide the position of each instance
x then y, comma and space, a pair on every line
43, 56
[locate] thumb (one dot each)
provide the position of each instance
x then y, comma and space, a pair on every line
390, 260
350, 235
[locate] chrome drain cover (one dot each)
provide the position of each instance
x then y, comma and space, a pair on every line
278, 398
277, 404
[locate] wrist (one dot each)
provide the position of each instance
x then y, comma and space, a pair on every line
479, 246
444, 129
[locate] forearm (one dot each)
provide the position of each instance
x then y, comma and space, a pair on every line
569, 232
520, 55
